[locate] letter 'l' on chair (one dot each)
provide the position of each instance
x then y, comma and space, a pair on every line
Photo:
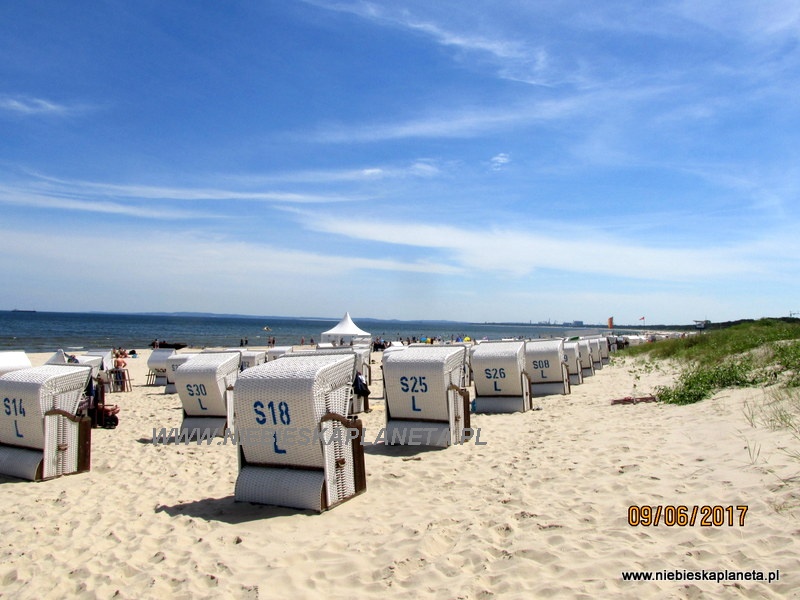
544, 362
297, 448
425, 403
41, 436
501, 383
205, 385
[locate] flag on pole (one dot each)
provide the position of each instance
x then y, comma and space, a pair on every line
641, 318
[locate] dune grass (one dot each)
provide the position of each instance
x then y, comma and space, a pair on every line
750, 353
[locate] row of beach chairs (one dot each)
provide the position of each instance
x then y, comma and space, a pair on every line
278, 402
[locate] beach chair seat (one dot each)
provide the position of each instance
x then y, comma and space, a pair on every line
544, 362
157, 365
41, 435
205, 386
502, 384
572, 358
425, 401
297, 446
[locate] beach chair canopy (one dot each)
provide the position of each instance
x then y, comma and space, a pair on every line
173, 362
277, 352
497, 367
204, 383
546, 367
13, 361
107, 357
250, 358
424, 395
294, 446
501, 382
39, 428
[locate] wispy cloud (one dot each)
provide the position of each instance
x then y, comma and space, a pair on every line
10, 195
511, 57
27, 106
558, 247
499, 161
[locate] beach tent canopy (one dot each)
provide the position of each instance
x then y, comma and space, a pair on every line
348, 332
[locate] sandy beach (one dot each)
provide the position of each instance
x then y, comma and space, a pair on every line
539, 509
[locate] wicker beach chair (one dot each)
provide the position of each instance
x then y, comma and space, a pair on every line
13, 361
205, 384
425, 401
572, 358
157, 363
597, 355
358, 404
251, 358
297, 447
173, 362
501, 383
106, 356
41, 436
544, 362
277, 352
587, 364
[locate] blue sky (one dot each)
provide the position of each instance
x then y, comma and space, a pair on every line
503, 160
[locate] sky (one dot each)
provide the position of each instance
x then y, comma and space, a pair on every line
504, 160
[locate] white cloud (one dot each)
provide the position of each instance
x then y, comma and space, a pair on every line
24, 105
499, 161
557, 247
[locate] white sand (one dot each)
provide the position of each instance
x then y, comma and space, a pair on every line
539, 511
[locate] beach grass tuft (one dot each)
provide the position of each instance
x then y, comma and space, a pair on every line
765, 352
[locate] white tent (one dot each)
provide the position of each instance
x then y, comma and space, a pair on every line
346, 332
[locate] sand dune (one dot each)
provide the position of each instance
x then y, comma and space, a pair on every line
540, 510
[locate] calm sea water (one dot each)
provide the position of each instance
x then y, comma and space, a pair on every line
49, 331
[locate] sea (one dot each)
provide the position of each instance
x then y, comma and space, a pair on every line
49, 331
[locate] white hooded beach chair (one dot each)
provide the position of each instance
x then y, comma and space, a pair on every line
13, 361
572, 358
277, 352
501, 383
587, 364
362, 366
41, 436
157, 363
297, 447
173, 362
597, 356
425, 401
205, 386
605, 349
106, 356
544, 363
252, 358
